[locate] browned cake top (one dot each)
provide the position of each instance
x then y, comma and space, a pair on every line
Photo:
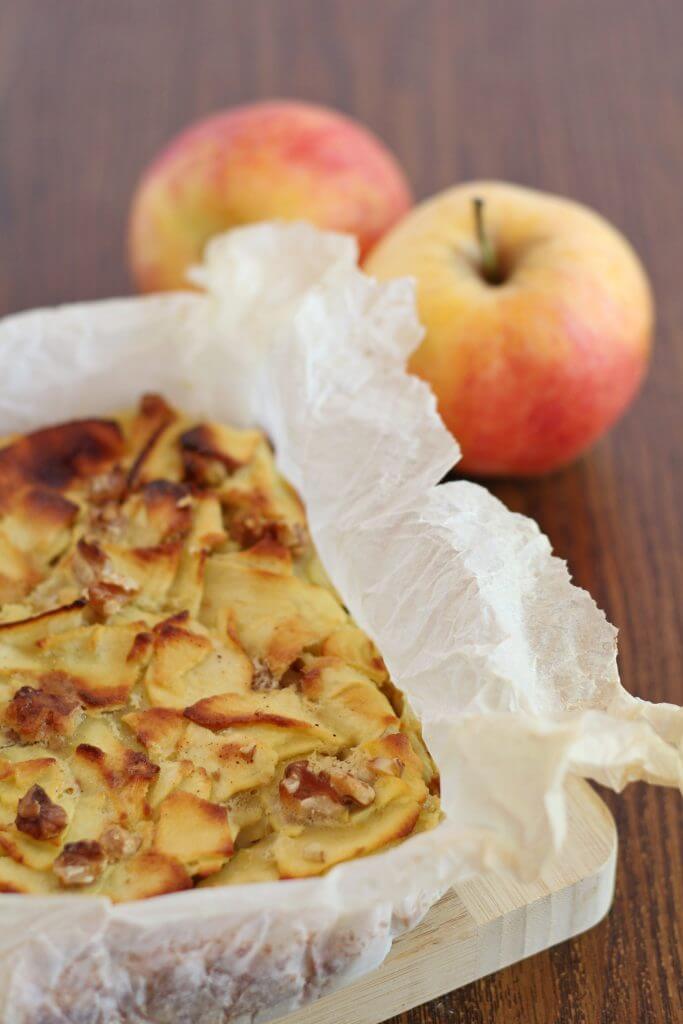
183, 697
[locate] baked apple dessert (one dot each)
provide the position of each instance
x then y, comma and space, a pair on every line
184, 699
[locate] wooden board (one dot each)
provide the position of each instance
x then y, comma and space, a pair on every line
486, 924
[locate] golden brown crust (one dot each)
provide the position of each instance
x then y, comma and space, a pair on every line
59, 457
45, 507
80, 863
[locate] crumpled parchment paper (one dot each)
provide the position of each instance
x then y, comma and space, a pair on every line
511, 669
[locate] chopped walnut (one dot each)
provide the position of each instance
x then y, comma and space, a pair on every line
305, 793
106, 599
117, 842
263, 678
41, 716
248, 528
138, 765
105, 589
313, 792
38, 816
351, 788
387, 765
290, 784
79, 863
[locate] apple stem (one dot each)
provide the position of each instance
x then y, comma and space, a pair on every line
489, 260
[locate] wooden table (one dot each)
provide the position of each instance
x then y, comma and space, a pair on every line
574, 96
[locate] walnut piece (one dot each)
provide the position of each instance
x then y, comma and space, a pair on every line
138, 765
350, 788
290, 784
248, 528
387, 765
105, 589
79, 863
38, 816
117, 842
45, 715
263, 678
306, 791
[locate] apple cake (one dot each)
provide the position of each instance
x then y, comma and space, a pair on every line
184, 699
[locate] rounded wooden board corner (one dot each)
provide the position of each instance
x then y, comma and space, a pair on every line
487, 924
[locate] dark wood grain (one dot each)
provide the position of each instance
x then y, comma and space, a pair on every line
583, 98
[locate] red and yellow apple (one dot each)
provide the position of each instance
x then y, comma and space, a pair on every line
276, 160
538, 319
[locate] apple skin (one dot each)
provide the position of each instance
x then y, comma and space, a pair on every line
527, 373
275, 160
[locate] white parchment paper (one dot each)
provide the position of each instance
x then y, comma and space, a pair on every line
511, 669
